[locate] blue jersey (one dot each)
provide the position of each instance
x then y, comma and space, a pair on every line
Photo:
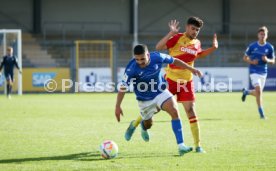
148, 82
9, 62
255, 51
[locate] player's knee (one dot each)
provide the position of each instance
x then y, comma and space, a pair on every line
174, 113
190, 111
258, 90
9, 82
148, 124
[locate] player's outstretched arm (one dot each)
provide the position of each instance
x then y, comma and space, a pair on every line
210, 50
184, 65
174, 29
118, 109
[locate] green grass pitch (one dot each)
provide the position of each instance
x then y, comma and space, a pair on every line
64, 131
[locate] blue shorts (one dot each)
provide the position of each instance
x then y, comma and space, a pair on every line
9, 76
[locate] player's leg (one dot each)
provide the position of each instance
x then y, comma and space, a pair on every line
187, 98
167, 103
147, 110
145, 125
258, 82
259, 95
189, 107
8, 84
11, 84
131, 128
255, 82
8, 87
246, 92
257, 92
144, 133
133, 125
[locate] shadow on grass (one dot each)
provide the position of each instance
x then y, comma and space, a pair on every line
138, 156
211, 119
206, 119
91, 155
88, 156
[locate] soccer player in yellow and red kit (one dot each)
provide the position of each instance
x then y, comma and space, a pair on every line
186, 47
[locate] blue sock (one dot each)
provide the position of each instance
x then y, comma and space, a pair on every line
261, 112
177, 129
143, 126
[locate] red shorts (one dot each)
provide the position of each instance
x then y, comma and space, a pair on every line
184, 92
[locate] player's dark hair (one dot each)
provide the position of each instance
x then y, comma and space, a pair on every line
140, 49
263, 29
195, 21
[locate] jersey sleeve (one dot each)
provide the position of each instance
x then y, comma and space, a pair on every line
166, 59
172, 41
126, 80
198, 47
16, 62
271, 54
128, 75
248, 51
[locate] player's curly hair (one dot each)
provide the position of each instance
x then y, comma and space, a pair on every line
263, 29
195, 21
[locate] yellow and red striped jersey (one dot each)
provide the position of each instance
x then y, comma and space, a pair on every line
180, 46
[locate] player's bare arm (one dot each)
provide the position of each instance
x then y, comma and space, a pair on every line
174, 29
118, 109
210, 50
184, 65
267, 60
249, 61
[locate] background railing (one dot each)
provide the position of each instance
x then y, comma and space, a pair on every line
58, 41
80, 30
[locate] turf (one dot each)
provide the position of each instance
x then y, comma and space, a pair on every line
64, 131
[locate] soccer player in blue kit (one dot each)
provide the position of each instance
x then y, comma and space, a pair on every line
9, 62
258, 55
144, 72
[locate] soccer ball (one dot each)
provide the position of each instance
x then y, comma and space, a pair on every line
109, 149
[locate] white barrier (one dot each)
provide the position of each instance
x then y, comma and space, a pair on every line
214, 79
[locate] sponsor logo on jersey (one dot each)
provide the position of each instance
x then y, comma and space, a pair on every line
187, 50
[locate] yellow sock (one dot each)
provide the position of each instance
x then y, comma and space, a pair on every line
195, 130
137, 121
